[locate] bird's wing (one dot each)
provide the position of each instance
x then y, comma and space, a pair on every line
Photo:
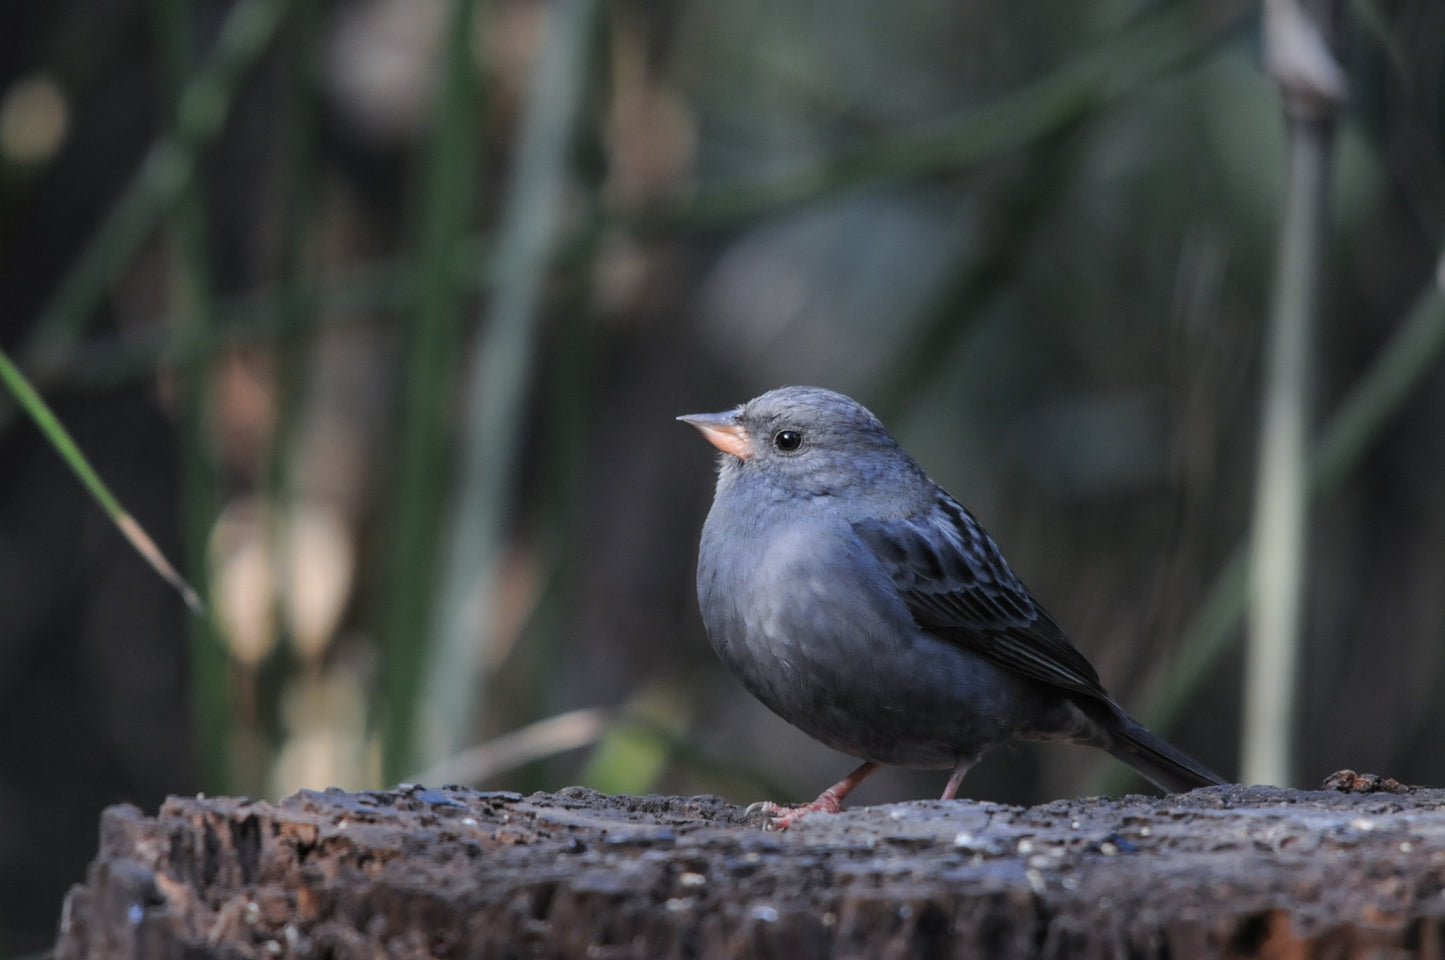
958, 587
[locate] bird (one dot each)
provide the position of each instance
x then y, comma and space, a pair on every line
864, 605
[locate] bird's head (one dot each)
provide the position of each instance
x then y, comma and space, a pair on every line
805, 441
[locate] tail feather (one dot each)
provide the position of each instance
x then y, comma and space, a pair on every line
1159, 762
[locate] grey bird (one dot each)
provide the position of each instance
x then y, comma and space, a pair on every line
865, 606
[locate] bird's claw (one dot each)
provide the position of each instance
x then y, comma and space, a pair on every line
778, 815
781, 817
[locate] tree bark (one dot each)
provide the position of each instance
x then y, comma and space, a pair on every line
452, 872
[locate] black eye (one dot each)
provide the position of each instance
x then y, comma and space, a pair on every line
788, 440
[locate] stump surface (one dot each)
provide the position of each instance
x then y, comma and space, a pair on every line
453, 872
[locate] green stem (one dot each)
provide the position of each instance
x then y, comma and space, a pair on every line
70, 452
421, 469
295, 307
190, 257
527, 241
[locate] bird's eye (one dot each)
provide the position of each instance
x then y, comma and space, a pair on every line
788, 440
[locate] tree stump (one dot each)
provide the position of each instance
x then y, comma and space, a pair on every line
453, 872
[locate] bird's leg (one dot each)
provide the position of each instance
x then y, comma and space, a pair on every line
954, 779
829, 801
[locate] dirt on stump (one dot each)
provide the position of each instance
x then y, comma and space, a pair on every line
455, 872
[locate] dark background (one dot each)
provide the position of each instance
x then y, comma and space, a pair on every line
1059, 310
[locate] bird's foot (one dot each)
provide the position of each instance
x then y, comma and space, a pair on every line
780, 816
829, 801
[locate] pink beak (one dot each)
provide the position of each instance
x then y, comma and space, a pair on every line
723, 431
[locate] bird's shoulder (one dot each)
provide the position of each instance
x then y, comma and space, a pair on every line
937, 547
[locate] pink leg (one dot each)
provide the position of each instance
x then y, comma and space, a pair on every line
954, 779
829, 801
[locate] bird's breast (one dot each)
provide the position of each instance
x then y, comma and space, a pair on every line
806, 617
797, 611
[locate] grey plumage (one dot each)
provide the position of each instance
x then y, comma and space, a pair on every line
867, 607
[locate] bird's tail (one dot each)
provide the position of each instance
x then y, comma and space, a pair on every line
1168, 768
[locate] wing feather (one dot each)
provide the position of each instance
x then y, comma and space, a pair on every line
958, 586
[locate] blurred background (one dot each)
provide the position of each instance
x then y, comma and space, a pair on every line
377, 314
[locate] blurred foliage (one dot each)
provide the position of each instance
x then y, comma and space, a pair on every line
378, 312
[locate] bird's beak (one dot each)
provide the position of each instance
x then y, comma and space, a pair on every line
723, 431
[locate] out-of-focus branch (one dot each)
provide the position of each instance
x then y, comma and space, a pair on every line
587, 727
204, 105
536, 741
1013, 215
1158, 42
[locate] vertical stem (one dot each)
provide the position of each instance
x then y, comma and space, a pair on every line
190, 259
1310, 81
1373, 401
501, 361
445, 210
297, 137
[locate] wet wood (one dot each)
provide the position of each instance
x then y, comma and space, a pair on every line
1221, 872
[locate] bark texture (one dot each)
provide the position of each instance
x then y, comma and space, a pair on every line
453, 872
